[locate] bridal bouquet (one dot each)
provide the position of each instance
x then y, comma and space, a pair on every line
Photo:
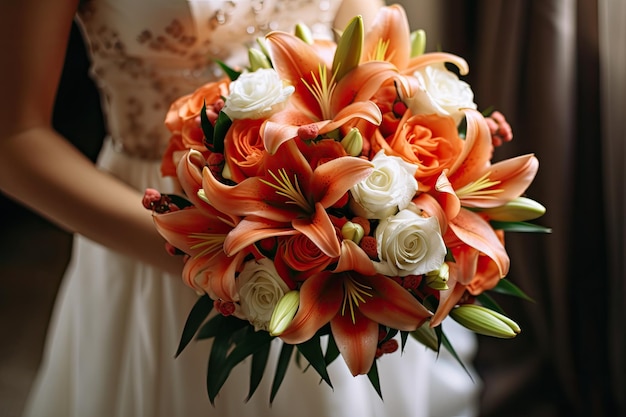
340, 196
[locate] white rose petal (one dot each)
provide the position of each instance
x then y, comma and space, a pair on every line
441, 91
260, 288
409, 244
389, 188
256, 95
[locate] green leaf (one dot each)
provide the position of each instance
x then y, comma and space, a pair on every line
372, 375
443, 340
212, 327
219, 368
207, 128
508, 288
332, 351
259, 361
523, 227
281, 368
312, 351
427, 337
487, 301
230, 72
222, 125
403, 338
196, 317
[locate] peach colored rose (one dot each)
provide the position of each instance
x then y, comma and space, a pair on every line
183, 121
429, 141
243, 149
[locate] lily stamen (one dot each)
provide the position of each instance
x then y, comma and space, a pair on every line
210, 242
354, 293
479, 188
322, 89
289, 190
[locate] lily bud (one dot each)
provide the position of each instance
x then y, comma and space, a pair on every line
349, 48
258, 60
426, 335
283, 312
438, 279
353, 232
303, 32
418, 43
485, 321
353, 142
517, 210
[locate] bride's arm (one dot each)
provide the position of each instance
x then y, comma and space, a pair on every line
351, 8
41, 169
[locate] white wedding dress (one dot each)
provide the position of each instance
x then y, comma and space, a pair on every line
117, 322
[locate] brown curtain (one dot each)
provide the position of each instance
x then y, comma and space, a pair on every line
557, 70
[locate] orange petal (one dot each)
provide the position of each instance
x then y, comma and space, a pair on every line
514, 176
252, 229
365, 110
320, 300
332, 179
357, 341
392, 305
320, 230
353, 258
476, 155
390, 26
435, 58
474, 231
361, 83
446, 196
448, 298
432, 208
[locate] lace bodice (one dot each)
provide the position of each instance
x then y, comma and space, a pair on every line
147, 53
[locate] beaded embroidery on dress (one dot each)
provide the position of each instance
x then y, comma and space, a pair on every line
117, 322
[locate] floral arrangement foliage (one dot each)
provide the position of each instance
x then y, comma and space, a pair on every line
340, 196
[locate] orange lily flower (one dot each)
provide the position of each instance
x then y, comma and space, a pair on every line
291, 195
319, 96
354, 299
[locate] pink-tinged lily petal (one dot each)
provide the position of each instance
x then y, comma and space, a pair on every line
357, 341
361, 83
275, 133
392, 305
431, 58
487, 276
252, 229
215, 276
446, 196
448, 298
474, 231
466, 259
320, 230
365, 110
321, 296
353, 258
390, 28
295, 61
475, 159
180, 227
248, 198
335, 177
512, 177
429, 205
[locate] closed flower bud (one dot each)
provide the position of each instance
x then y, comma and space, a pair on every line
418, 43
438, 279
353, 232
485, 321
258, 59
304, 33
517, 210
353, 142
284, 312
349, 48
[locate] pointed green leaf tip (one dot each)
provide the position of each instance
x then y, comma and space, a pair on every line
349, 48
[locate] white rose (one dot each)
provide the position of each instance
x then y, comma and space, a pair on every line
409, 244
256, 95
441, 91
260, 288
389, 188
